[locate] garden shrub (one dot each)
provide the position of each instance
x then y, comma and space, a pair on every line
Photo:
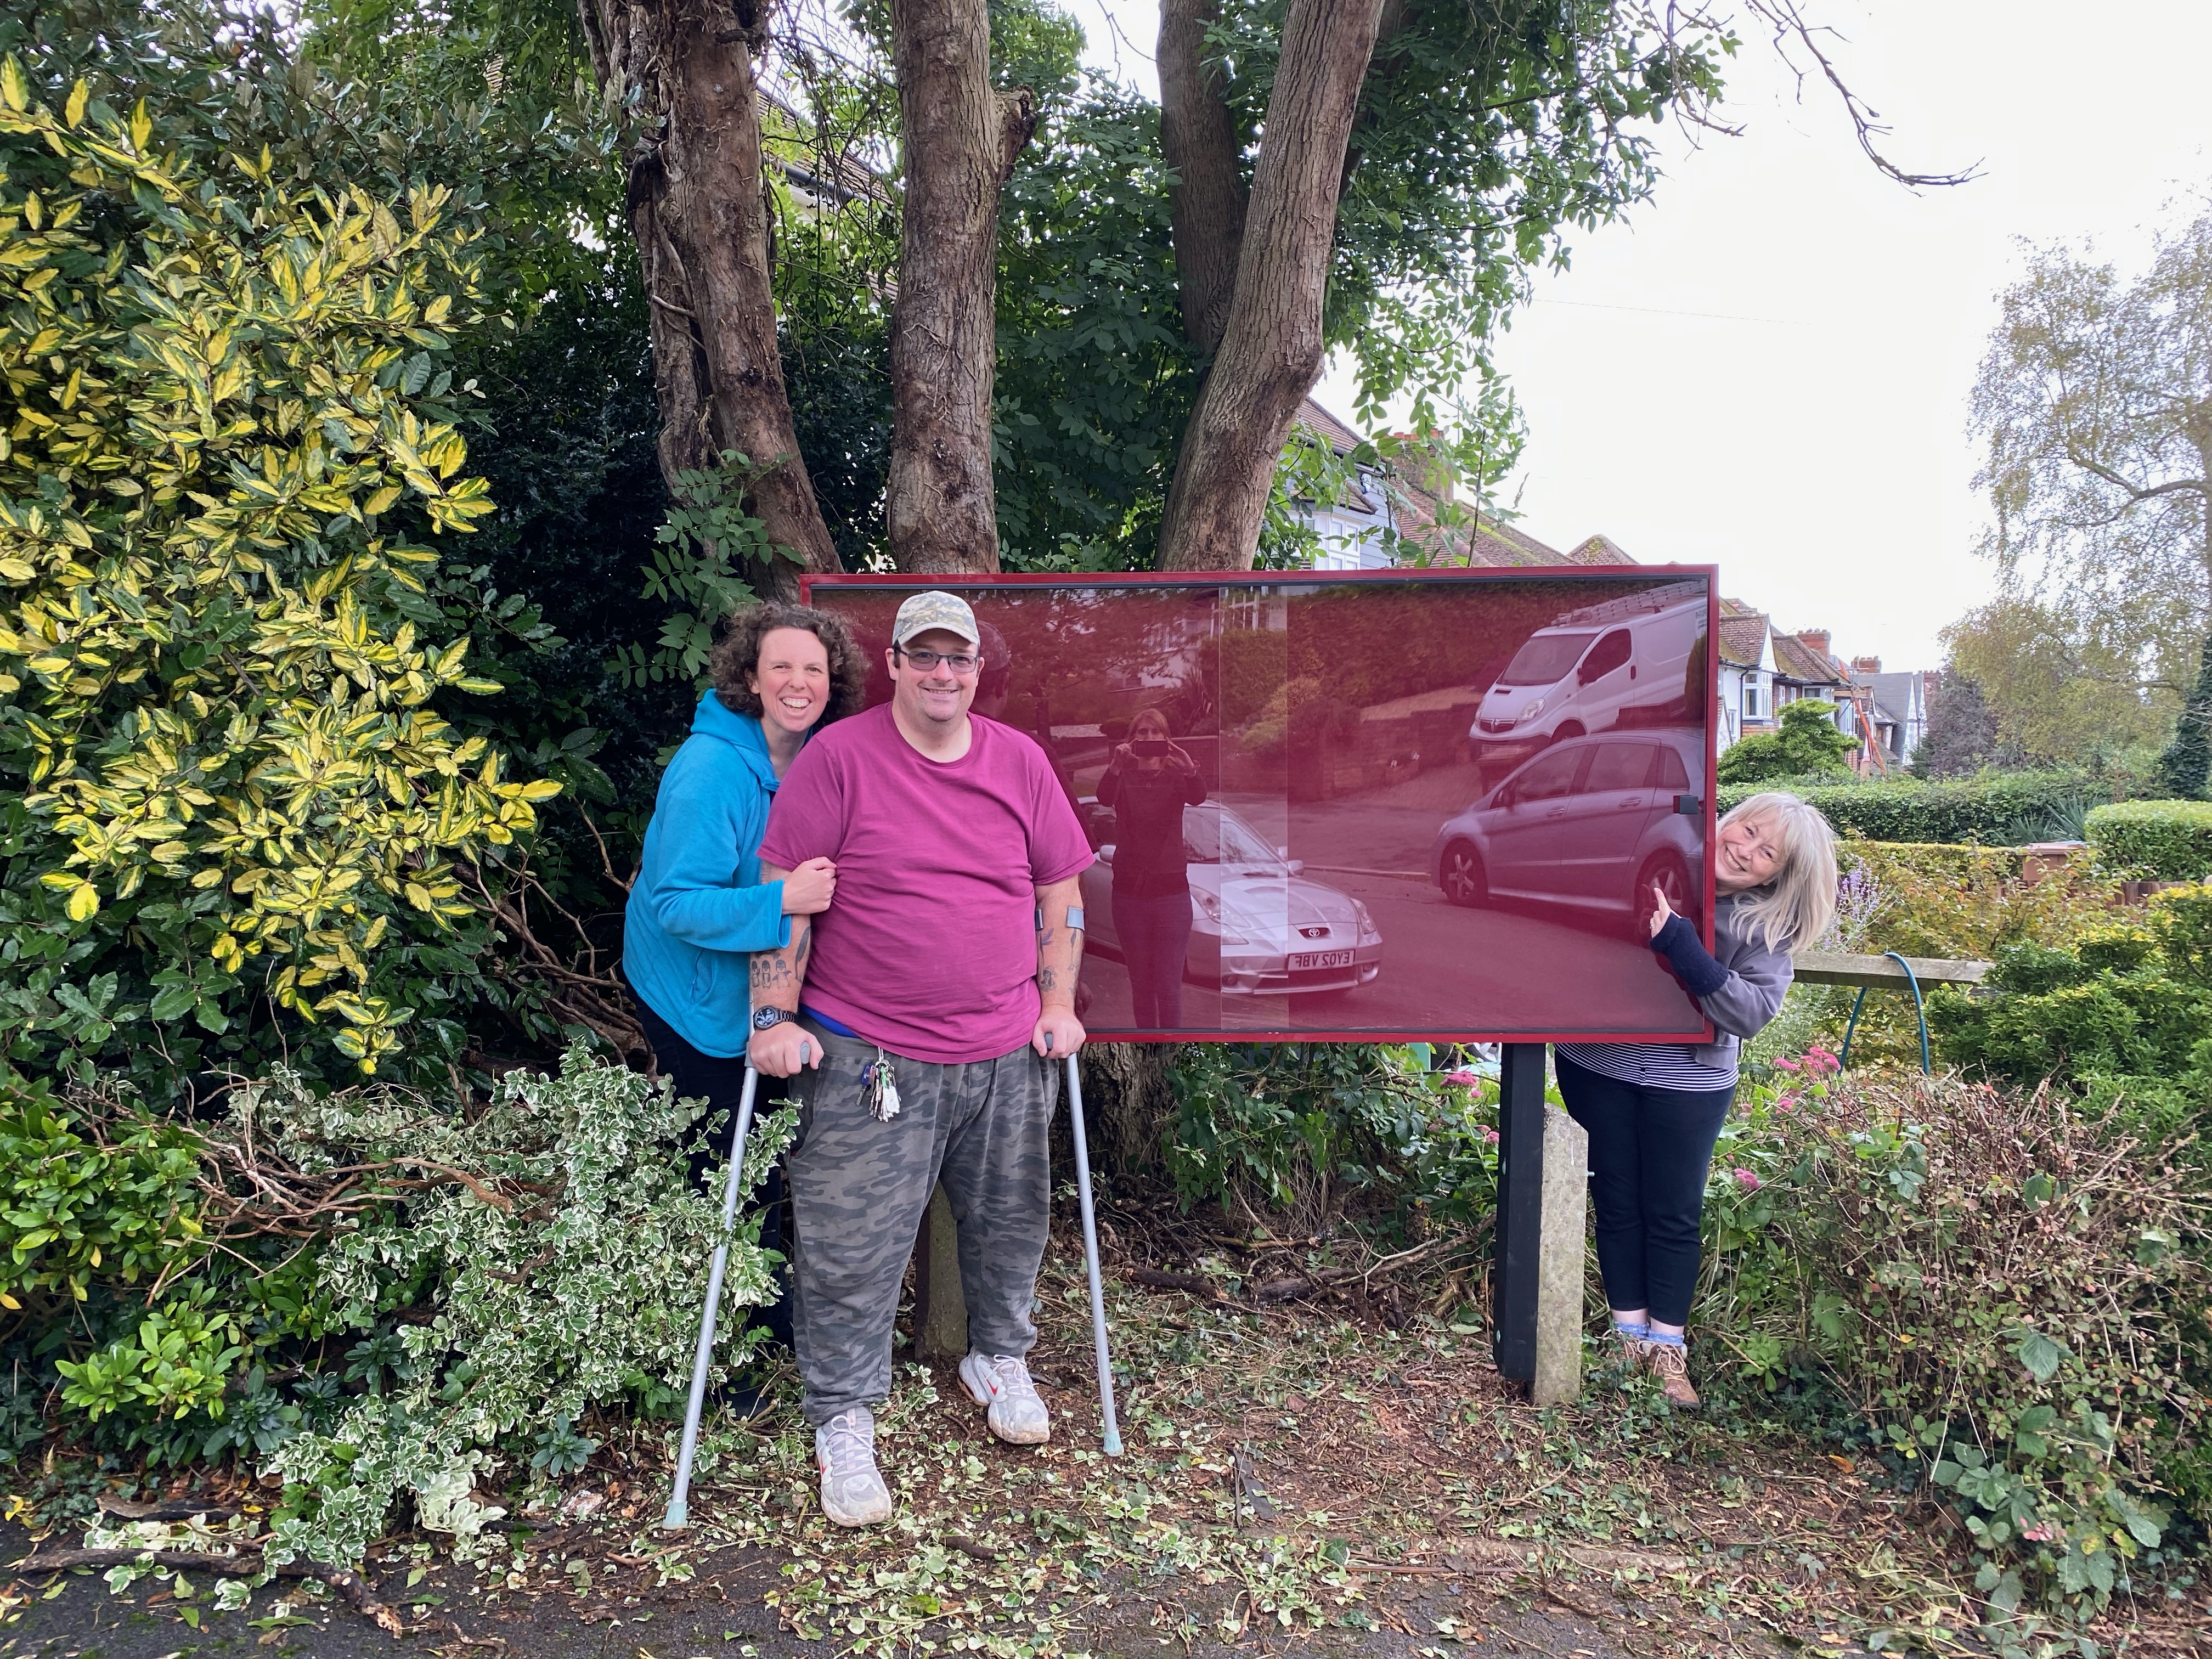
1986, 808
1303, 1126
2003, 1288
1806, 746
2124, 1008
2164, 840
452, 1287
225, 788
1970, 901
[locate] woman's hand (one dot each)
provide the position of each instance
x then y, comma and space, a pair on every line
1663, 914
1123, 757
808, 890
1179, 758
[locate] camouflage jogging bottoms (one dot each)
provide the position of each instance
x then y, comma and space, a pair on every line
861, 1187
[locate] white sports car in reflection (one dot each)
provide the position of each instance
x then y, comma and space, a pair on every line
1259, 927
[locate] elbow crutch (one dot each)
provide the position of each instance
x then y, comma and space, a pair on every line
1091, 1260
679, 1508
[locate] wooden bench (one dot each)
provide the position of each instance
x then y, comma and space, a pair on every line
1889, 971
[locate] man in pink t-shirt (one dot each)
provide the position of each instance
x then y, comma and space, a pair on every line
924, 1015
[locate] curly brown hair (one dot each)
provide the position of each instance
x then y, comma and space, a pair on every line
737, 654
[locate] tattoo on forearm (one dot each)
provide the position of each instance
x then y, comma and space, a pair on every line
773, 970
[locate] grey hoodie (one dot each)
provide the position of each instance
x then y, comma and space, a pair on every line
1757, 977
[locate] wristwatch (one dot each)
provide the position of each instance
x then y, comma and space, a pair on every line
766, 1018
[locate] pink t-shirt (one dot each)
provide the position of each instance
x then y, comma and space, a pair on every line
929, 949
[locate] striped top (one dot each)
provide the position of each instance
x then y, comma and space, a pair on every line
1651, 1065
1739, 985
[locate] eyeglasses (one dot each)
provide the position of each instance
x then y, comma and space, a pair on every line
958, 661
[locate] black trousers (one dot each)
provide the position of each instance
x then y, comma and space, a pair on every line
1649, 1150
719, 1083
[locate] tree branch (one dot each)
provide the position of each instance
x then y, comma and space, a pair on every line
1788, 24
2139, 492
1197, 135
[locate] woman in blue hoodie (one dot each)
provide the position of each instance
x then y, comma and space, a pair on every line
698, 908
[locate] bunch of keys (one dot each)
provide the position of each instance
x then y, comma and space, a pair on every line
879, 1088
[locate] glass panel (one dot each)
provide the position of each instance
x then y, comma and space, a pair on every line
1349, 805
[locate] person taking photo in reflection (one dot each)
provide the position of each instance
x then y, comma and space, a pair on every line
924, 1018
1654, 1110
1148, 782
700, 905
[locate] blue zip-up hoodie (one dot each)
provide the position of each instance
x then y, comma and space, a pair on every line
699, 907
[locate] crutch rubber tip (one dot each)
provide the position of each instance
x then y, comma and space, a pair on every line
1112, 1445
678, 1518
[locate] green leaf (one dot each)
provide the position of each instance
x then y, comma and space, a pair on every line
174, 1002
2040, 1355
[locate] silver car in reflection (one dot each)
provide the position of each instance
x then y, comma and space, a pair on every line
1592, 824
1259, 926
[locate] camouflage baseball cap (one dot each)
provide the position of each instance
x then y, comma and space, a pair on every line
935, 609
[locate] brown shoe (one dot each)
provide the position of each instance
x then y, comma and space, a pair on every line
1670, 1363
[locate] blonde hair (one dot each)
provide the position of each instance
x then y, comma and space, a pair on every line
1793, 909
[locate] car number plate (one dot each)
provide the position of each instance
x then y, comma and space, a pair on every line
1321, 960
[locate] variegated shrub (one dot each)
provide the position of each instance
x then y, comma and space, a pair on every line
225, 413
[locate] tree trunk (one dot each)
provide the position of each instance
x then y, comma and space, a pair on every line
1198, 138
961, 141
1271, 350
699, 212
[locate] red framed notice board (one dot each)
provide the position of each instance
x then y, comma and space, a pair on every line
1419, 804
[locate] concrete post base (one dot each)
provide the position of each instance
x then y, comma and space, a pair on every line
1560, 1260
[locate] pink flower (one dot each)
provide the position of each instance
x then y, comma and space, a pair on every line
2040, 1532
1783, 1062
1746, 1179
1818, 1059
1490, 1136
1464, 1078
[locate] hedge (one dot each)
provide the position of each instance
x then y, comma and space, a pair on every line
2171, 840
1983, 808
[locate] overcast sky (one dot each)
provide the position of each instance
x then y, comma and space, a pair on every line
1767, 366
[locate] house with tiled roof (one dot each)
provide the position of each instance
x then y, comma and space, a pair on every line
1803, 668
1388, 506
1747, 668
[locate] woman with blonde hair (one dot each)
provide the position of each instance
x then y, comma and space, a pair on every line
1654, 1110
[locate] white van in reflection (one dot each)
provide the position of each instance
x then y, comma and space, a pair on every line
1631, 661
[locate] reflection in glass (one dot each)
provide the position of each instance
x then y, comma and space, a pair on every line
1435, 803
1150, 783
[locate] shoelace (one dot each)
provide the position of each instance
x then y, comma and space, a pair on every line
846, 1442
1013, 1377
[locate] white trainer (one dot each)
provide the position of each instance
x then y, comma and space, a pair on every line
1001, 1382
853, 1493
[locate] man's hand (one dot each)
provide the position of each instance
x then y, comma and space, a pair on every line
781, 1049
808, 890
1058, 1034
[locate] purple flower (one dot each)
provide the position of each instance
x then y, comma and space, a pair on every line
1745, 1179
1464, 1078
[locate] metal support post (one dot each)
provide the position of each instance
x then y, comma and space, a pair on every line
1517, 1244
